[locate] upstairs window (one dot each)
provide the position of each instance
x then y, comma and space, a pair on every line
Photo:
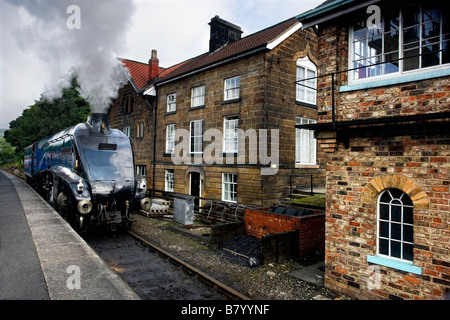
170, 138
230, 137
412, 38
198, 96
127, 106
196, 134
231, 88
172, 102
306, 81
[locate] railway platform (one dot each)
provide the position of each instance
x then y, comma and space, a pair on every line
43, 258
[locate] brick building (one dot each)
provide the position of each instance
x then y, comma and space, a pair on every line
384, 107
237, 106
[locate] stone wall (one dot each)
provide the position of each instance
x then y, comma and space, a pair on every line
266, 101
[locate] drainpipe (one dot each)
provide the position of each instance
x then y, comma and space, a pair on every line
154, 145
151, 93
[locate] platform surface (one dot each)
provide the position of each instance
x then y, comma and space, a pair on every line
43, 258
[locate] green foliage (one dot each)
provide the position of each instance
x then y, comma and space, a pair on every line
315, 200
46, 117
7, 153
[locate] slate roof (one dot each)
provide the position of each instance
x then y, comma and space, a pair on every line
248, 44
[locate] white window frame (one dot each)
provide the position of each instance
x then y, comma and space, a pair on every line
198, 96
139, 130
170, 138
306, 91
172, 102
127, 131
230, 134
169, 180
229, 187
141, 169
305, 143
196, 137
231, 88
380, 70
400, 224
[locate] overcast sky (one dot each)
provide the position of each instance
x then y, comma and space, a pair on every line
37, 47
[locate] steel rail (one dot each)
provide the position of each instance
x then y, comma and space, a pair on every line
219, 286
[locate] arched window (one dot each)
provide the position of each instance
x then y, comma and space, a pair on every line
306, 81
395, 225
128, 104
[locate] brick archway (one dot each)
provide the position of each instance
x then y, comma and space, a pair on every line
409, 186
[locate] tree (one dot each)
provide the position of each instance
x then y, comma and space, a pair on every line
46, 117
6, 152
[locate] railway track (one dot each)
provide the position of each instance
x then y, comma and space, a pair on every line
155, 274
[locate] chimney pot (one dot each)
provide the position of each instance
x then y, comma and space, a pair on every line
153, 65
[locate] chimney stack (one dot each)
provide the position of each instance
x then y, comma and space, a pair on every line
153, 65
222, 33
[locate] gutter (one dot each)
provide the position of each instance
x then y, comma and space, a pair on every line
331, 11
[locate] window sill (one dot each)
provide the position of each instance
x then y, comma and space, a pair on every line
305, 104
306, 166
231, 101
396, 264
168, 113
388, 81
197, 107
229, 154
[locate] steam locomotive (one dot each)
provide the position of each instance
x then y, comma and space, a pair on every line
86, 172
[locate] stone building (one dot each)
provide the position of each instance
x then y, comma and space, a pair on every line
132, 112
384, 107
222, 125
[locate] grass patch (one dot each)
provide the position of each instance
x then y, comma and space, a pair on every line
315, 200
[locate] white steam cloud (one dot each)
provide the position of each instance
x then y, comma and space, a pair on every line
81, 36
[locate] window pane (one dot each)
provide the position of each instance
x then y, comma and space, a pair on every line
384, 247
384, 229
396, 231
385, 197
395, 249
408, 215
396, 194
408, 233
408, 253
384, 211
396, 213
411, 16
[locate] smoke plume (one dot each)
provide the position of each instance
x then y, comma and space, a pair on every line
81, 36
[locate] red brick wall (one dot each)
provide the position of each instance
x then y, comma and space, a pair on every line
311, 228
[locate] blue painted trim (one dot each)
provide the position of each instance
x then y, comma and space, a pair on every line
396, 80
391, 263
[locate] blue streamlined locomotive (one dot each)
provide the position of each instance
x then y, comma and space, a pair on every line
86, 172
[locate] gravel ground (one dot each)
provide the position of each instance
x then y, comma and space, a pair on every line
265, 282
